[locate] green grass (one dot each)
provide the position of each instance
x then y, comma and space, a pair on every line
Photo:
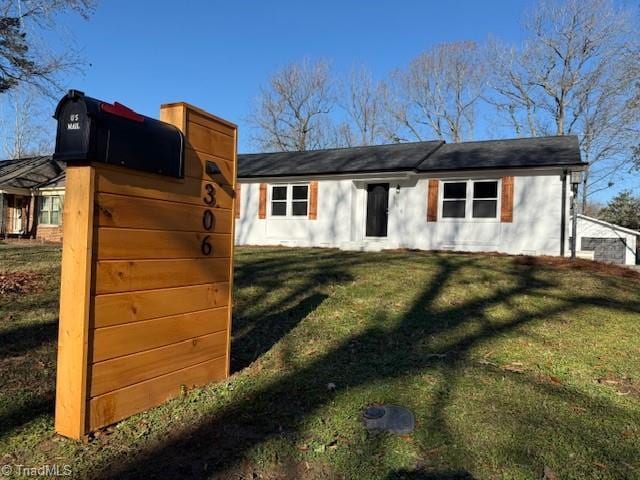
510, 366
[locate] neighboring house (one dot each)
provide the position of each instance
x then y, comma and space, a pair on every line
510, 196
606, 242
31, 196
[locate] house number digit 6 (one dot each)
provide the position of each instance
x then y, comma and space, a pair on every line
206, 247
210, 196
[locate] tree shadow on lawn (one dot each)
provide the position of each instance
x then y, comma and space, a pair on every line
28, 335
259, 334
256, 329
421, 474
42, 404
23, 339
421, 340
22, 345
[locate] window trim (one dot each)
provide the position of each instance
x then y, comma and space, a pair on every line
288, 201
41, 201
468, 211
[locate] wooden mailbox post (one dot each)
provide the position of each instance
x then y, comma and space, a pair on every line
147, 270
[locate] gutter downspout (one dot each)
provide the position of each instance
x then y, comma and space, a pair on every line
574, 221
563, 214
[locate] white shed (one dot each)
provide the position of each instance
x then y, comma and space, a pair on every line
609, 243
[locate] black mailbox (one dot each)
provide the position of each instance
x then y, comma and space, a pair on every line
91, 130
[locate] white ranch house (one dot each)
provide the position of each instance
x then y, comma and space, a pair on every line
510, 196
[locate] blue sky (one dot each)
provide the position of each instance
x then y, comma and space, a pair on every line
216, 54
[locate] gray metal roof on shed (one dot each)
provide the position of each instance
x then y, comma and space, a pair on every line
431, 156
29, 172
378, 158
511, 153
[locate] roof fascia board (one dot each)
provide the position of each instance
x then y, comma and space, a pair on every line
547, 169
542, 170
16, 191
400, 175
45, 190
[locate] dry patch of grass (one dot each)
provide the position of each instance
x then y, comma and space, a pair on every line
580, 265
20, 282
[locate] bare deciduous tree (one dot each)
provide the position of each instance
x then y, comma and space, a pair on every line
362, 100
292, 113
24, 57
576, 74
26, 129
438, 93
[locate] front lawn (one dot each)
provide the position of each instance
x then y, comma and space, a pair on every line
513, 366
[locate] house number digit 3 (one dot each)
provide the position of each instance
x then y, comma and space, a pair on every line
210, 195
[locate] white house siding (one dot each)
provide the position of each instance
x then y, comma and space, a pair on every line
332, 226
592, 228
342, 214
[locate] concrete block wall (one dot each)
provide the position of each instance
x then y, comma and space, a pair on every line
610, 250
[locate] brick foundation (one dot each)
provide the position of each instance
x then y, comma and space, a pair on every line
49, 233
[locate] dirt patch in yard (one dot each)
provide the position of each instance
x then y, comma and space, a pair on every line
20, 282
578, 264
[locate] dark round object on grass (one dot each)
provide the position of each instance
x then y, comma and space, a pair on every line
389, 418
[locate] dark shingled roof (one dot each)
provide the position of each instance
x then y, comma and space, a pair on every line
29, 172
419, 157
377, 158
429, 156
512, 153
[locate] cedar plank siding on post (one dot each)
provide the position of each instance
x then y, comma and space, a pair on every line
313, 200
74, 333
432, 200
158, 311
142, 358
506, 210
262, 205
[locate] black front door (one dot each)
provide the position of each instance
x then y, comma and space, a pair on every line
377, 209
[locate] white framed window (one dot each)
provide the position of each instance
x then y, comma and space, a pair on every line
485, 199
290, 200
299, 200
475, 200
454, 199
279, 200
50, 210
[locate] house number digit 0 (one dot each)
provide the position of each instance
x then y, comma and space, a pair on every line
206, 247
208, 220
210, 196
